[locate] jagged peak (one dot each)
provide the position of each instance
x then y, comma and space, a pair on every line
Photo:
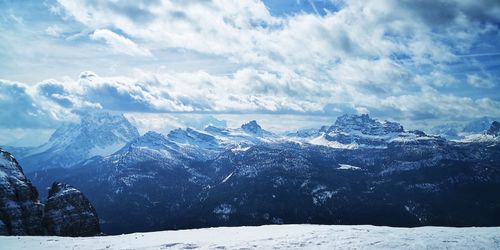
152, 135
98, 117
494, 129
365, 125
189, 135
59, 189
252, 127
215, 129
479, 125
9, 165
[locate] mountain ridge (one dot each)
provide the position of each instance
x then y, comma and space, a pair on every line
363, 171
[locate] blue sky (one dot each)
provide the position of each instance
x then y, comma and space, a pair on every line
418, 62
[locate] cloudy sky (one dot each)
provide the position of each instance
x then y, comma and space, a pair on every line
290, 63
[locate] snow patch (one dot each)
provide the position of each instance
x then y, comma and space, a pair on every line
107, 150
348, 167
322, 141
227, 178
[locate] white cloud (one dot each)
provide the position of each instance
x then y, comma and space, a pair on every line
119, 44
390, 58
480, 81
54, 30
22, 107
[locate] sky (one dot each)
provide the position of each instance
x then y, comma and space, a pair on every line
291, 64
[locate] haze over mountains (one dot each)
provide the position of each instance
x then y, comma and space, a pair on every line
356, 171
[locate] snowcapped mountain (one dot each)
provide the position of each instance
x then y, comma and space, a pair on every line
252, 127
478, 126
459, 132
449, 131
488, 137
98, 133
361, 131
358, 170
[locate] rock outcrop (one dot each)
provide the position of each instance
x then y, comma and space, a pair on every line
68, 212
494, 129
20, 210
365, 125
252, 127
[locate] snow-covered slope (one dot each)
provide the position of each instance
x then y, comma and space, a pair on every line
98, 133
277, 237
361, 131
357, 171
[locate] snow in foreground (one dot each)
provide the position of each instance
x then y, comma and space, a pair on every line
276, 236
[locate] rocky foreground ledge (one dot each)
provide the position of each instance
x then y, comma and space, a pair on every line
277, 237
67, 211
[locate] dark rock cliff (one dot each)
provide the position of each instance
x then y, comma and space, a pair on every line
68, 212
20, 210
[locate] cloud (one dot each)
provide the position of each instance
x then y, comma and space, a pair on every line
54, 31
23, 108
390, 58
119, 44
480, 81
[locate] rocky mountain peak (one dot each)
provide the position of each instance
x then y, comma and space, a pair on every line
98, 134
364, 124
479, 125
494, 129
152, 136
20, 210
252, 127
190, 136
59, 188
69, 213
9, 166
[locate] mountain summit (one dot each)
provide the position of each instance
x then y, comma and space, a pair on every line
252, 127
98, 133
494, 129
365, 125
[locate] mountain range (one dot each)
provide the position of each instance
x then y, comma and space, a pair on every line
98, 133
358, 170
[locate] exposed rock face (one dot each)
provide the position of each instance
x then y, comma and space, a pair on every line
365, 124
494, 129
20, 210
252, 127
69, 213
